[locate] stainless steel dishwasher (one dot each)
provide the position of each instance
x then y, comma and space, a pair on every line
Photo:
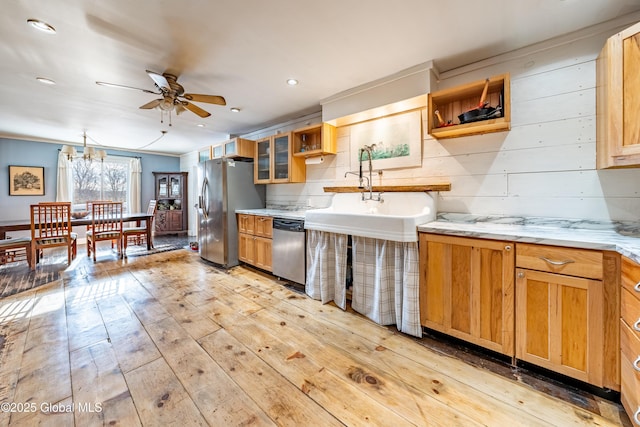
289, 250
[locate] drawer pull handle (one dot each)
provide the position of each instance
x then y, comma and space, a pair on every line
636, 325
636, 417
637, 287
552, 262
636, 364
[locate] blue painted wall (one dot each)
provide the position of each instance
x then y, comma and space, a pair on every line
31, 153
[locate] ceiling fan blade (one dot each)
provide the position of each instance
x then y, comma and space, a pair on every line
125, 87
159, 80
152, 104
210, 99
195, 109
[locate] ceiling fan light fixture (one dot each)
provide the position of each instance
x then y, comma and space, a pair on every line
42, 26
46, 81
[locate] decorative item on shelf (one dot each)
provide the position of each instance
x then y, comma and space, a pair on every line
88, 153
79, 214
483, 111
441, 122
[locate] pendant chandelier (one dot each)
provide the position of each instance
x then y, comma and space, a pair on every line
88, 153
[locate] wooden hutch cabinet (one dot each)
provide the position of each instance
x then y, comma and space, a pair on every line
171, 210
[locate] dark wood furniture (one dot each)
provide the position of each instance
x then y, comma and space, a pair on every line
171, 196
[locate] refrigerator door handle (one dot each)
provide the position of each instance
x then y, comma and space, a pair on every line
203, 199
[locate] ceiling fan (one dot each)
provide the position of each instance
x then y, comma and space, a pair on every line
173, 96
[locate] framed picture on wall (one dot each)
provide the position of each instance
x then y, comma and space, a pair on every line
26, 180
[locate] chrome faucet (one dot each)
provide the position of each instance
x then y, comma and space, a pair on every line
360, 177
369, 150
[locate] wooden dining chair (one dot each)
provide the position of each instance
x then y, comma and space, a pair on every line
138, 234
74, 237
16, 249
106, 224
51, 228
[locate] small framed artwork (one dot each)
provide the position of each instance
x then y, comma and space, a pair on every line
26, 180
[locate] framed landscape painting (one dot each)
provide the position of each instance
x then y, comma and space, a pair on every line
26, 181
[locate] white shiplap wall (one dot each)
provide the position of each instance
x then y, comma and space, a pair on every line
543, 166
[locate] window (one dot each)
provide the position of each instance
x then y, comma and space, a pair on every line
97, 180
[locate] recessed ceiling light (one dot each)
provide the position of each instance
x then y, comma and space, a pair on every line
45, 80
201, 125
41, 25
292, 82
235, 109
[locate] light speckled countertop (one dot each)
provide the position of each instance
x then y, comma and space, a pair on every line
620, 236
274, 212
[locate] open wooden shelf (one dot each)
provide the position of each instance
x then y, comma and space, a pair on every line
315, 140
455, 101
393, 188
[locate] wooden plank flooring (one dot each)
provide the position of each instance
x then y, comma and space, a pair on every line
168, 339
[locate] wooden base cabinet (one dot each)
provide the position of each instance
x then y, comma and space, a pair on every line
630, 339
255, 240
559, 323
567, 306
467, 289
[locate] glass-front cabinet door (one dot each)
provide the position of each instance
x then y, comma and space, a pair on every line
216, 151
262, 163
281, 151
176, 186
163, 186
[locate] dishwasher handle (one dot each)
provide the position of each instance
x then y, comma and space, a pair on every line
288, 224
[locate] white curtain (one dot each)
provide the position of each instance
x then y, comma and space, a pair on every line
63, 181
134, 191
327, 267
386, 283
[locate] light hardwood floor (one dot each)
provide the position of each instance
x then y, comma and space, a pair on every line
168, 339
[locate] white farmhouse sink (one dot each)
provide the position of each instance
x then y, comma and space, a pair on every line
396, 218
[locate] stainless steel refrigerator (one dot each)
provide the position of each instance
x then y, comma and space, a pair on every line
225, 185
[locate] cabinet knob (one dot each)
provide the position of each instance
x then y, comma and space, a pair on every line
520, 275
636, 416
637, 287
507, 248
636, 325
636, 364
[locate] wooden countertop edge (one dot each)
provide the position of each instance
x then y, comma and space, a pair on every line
393, 188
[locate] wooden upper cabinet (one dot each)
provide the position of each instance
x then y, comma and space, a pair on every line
274, 163
450, 103
314, 140
618, 101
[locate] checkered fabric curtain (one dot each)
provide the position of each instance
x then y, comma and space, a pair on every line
385, 283
327, 267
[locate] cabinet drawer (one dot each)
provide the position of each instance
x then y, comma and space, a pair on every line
555, 259
631, 276
264, 226
630, 311
246, 223
630, 372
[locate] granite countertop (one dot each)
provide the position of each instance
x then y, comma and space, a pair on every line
619, 236
274, 212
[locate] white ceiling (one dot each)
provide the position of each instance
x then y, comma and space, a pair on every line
244, 50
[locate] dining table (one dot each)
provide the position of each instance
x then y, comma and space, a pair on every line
25, 224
